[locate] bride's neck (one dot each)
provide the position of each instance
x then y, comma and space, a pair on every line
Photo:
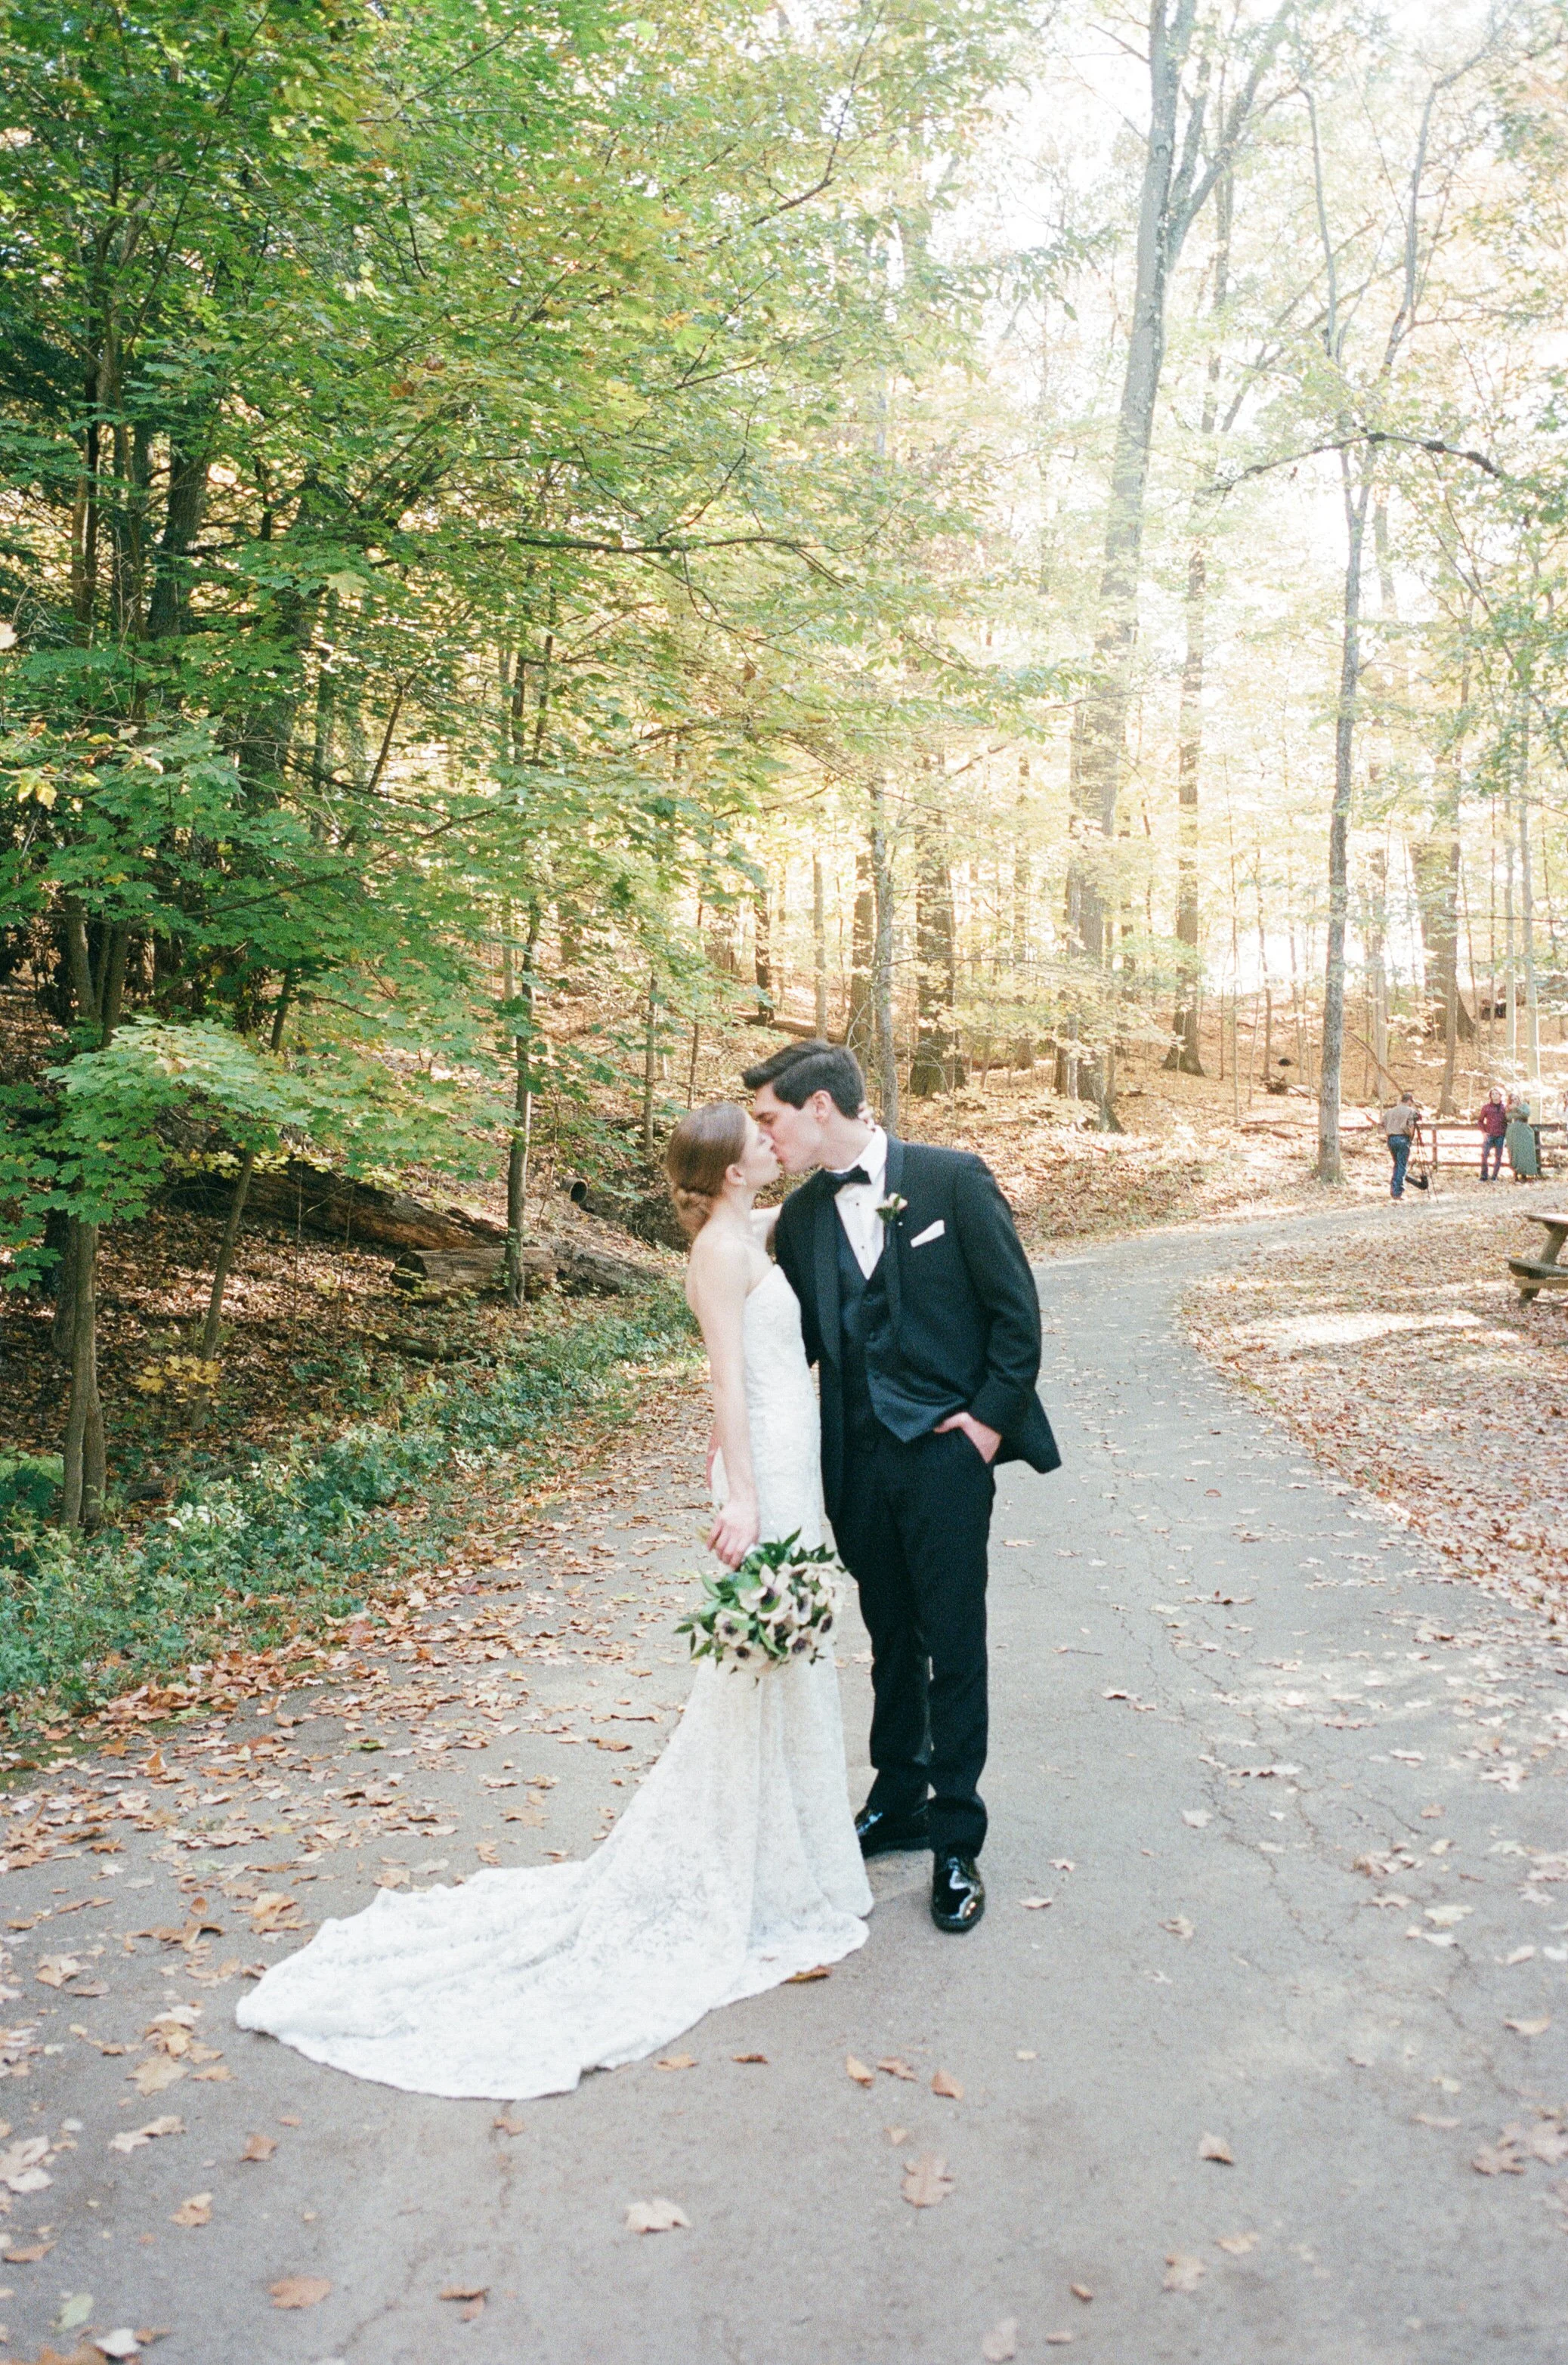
732, 1206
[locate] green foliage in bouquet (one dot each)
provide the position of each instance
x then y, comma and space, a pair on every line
777, 1605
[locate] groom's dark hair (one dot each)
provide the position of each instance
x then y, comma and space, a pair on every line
801, 1069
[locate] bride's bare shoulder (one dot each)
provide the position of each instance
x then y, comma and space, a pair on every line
720, 1262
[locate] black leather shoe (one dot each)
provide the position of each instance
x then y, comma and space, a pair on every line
957, 1894
880, 1832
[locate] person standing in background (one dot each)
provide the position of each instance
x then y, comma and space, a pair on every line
1399, 1125
1494, 1123
1519, 1140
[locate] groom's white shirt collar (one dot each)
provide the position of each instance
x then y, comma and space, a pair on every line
858, 1203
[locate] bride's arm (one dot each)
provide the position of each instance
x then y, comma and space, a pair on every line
717, 1280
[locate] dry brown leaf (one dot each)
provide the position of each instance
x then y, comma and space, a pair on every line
1497, 2159
1216, 2147
897, 2068
926, 2181
948, 2088
259, 2147
1179, 1926
1529, 2027
131, 2138
1182, 2273
654, 2217
859, 2071
151, 2076
677, 2061
27, 2254
1082, 2291
896, 2136
196, 2210
299, 2291
466, 2291
803, 1979
750, 2056
509, 2125
1239, 2243
1058, 2339
1000, 2342
1037, 1904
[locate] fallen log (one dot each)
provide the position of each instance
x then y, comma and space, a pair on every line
331, 1205
481, 1266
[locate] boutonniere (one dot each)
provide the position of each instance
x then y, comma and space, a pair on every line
892, 1207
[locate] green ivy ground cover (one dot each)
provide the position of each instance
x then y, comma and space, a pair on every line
286, 1542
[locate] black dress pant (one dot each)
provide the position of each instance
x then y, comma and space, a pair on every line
911, 1530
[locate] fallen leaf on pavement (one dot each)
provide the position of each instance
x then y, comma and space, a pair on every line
299, 2291
1237, 2244
1520, 1954
20, 2169
1497, 2159
654, 2217
677, 2061
896, 2136
1529, 2027
132, 2138
1216, 2147
259, 2147
27, 2254
1182, 2273
1197, 1816
508, 2126
1429, 2119
466, 2291
897, 2068
55, 1969
151, 2077
1037, 1904
1082, 2291
1058, 2340
859, 2071
1179, 1926
1026, 2056
750, 2056
196, 2210
926, 2181
1000, 2342
948, 2088
120, 2344
803, 1979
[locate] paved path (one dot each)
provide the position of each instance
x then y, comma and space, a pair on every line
1220, 1679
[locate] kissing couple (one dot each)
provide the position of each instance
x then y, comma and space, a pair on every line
897, 1270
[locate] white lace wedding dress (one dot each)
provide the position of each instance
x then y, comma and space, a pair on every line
735, 1865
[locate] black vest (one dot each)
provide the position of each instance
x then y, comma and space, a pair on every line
862, 1310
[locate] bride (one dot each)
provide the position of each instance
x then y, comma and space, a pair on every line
735, 1865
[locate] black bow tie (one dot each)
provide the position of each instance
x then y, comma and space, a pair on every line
856, 1174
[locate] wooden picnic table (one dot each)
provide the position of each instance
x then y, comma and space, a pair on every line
1535, 1274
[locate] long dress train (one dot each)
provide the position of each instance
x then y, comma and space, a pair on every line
735, 1865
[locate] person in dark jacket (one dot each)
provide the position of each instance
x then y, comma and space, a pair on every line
918, 1307
1494, 1123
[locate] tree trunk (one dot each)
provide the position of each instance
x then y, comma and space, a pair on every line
226, 1256
85, 1457
858, 1029
521, 1140
1022, 1053
819, 946
762, 948
650, 1068
884, 1058
1331, 1065
936, 1066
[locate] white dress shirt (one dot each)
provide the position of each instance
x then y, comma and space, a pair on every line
863, 1227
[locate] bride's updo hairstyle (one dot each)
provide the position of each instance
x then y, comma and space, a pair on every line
703, 1147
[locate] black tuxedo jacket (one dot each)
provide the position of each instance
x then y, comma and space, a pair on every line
964, 1313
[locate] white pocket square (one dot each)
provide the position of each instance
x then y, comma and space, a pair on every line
932, 1232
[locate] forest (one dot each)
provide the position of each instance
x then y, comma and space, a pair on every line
543, 550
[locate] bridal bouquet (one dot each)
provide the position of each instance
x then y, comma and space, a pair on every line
777, 1605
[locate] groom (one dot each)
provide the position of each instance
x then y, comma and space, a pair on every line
919, 1311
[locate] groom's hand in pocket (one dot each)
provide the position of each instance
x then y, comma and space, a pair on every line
986, 1441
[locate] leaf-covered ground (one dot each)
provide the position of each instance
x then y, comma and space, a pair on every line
1406, 1360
